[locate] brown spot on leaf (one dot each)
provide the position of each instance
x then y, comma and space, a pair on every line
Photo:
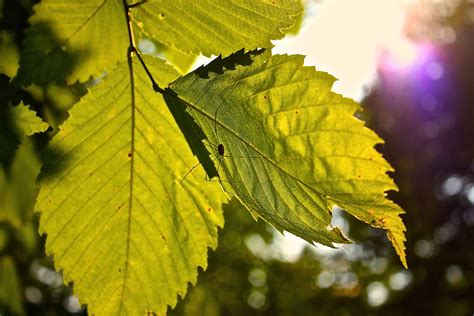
119, 207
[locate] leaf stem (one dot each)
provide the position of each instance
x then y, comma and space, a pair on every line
133, 48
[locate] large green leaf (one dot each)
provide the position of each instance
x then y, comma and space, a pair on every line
119, 220
216, 26
290, 149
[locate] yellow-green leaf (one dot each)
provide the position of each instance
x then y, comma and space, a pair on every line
73, 40
216, 26
119, 220
288, 147
26, 121
10, 288
18, 185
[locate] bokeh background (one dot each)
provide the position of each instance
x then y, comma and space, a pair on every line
411, 65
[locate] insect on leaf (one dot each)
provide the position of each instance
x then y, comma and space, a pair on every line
292, 149
118, 220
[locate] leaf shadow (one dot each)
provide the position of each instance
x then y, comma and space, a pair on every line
191, 131
219, 64
44, 58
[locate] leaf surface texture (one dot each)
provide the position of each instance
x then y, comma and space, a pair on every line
216, 26
76, 40
73, 40
291, 149
26, 121
118, 220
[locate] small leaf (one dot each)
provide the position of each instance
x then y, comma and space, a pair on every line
119, 220
26, 121
289, 148
216, 26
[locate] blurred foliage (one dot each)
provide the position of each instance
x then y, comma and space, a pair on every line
432, 151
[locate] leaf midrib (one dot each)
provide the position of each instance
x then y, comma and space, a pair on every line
235, 134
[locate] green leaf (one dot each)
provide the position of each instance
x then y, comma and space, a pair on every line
119, 220
73, 40
292, 149
182, 61
18, 185
10, 293
76, 40
9, 53
26, 121
215, 26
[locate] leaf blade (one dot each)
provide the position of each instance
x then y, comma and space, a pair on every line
120, 229
216, 27
295, 149
26, 121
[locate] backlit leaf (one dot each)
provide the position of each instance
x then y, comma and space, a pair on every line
292, 149
73, 40
119, 220
26, 121
216, 26
76, 40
